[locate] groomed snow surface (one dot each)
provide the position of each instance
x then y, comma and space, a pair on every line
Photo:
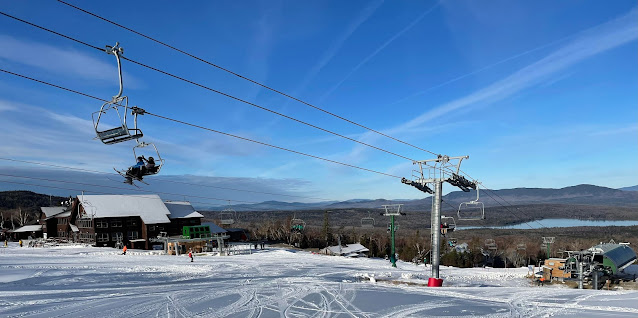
99, 282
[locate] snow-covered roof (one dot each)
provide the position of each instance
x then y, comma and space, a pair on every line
63, 214
149, 207
74, 228
28, 228
182, 210
50, 211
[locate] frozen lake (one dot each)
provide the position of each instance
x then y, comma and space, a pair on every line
99, 282
555, 223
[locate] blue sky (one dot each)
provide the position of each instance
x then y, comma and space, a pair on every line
537, 93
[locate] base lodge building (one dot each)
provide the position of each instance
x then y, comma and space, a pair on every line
113, 220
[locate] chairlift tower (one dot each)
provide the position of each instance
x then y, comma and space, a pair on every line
547, 241
392, 210
435, 172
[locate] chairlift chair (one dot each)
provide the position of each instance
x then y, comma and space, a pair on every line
490, 244
447, 224
471, 211
228, 216
367, 222
121, 132
159, 162
297, 225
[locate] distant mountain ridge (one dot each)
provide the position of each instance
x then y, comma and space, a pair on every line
584, 194
632, 188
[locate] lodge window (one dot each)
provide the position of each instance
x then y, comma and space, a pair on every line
132, 235
152, 228
160, 228
101, 224
131, 222
86, 236
62, 221
61, 234
117, 236
102, 237
84, 223
116, 223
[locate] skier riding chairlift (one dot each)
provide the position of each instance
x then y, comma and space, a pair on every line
143, 167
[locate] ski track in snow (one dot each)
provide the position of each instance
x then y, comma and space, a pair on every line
98, 282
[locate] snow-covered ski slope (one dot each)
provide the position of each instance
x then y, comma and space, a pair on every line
99, 282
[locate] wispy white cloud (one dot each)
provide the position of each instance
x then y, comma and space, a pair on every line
62, 61
338, 43
591, 42
615, 131
610, 35
379, 49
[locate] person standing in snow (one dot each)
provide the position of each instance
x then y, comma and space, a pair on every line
190, 254
20, 243
124, 250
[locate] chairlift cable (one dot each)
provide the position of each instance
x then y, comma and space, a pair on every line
122, 188
54, 32
496, 194
88, 191
244, 77
214, 90
159, 180
454, 209
508, 209
56, 86
499, 203
242, 138
272, 146
262, 107
227, 95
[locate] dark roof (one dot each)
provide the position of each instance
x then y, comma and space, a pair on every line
621, 255
214, 228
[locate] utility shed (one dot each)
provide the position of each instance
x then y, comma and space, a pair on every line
554, 268
614, 256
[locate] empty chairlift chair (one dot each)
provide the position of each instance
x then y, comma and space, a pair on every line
471, 211
490, 244
110, 122
228, 217
367, 222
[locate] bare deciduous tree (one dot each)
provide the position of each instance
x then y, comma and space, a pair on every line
23, 217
